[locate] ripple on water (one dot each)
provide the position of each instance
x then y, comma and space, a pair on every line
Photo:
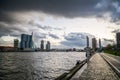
36, 65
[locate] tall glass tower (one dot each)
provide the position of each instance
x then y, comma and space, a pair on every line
87, 38
48, 46
94, 44
27, 41
42, 45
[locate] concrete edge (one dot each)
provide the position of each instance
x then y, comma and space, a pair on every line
112, 66
79, 72
69, 75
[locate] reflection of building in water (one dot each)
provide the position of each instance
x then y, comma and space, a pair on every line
16, 43
94, 44
48, 46
26, 41
42, 45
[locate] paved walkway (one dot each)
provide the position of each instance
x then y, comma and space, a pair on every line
97, 69
115, 60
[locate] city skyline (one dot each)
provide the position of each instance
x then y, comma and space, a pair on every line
64, 23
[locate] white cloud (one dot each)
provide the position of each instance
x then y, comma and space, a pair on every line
7, 40
76, 39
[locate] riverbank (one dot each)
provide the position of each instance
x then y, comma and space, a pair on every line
97, 69
113, 52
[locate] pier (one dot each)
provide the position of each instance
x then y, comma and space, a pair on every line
100, 67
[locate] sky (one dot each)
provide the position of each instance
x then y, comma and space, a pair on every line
65, 23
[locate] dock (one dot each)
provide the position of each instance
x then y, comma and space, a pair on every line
99, 69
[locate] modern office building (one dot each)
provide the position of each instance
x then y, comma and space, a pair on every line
26, 41
94, 44
87, 38
100, 44
48, 46
42, 45
16, 43
118, 40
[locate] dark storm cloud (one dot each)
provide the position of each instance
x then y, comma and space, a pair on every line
68, 8
9, 29
5, 17
109, 6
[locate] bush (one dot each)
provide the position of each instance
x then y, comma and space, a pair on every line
117, 53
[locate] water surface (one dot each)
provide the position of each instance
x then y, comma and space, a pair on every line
36, 65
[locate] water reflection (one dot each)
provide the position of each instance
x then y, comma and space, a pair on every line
36, 65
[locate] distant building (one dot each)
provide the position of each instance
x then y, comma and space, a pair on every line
48, 46
6, 48
16, 43
42, 45
94, 43
87, 41
100, 44
118, 40
26, 41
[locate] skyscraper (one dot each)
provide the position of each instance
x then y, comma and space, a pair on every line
48, 46
94, 44
100, 44
42, 45
87, 41
26, 41
16, 43
118, 40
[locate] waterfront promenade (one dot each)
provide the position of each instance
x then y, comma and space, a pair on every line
98, 69
114, 60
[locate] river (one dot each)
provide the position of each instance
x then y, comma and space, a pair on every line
36, 65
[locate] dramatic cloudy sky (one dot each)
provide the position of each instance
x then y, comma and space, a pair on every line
65, 23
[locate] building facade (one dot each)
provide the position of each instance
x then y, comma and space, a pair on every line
100, 44
42, 45
118, 40
48, 46
16, 43
87, 38
94, 44
26, 41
